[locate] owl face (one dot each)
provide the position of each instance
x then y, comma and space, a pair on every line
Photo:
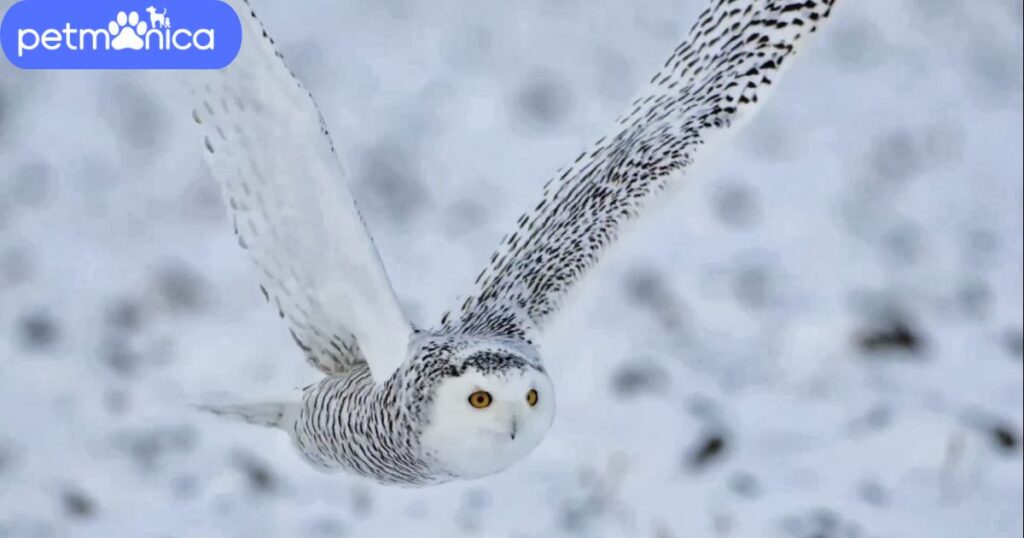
489, 412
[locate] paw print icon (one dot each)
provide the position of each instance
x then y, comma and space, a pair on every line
127, 30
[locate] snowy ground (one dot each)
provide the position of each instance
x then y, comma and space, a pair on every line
820, 336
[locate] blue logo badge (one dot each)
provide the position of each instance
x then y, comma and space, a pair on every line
120, 34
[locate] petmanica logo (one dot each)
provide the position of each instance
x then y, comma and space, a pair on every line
120, 34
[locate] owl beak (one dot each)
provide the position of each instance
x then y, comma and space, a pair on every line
512, 432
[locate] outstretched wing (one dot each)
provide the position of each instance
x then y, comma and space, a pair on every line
266, 144
718, 76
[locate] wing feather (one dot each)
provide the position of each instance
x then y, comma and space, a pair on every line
266, 143
715, 78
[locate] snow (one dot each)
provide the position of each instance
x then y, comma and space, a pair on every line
819, 335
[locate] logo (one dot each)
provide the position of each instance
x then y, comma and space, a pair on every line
120, 34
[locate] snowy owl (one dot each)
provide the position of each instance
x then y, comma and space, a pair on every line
470, 397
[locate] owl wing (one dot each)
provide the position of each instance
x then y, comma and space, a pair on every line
266, 144
717, 77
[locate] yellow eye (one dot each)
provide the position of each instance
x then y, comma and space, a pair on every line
531, 397
480, 399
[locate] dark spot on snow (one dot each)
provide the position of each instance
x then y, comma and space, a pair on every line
185, 486
30, 183
901, 244
876, 418
476, 499
820, 523
1013, 340
975, 298
1004, 438
856, 44
465, 216
124, 314
389, 182
362, 502
595, 497
752, 286
77, 504
638, 377
116, 401
117, 354
873, 493
895, 156
710, 449
151, 447
258, 475
136, 115
542, 102
648, 290
38, 331
994, 68
736, 205
981, 244
6, 458
745, 485
897, 335
180, 288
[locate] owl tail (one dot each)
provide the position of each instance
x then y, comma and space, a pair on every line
270, 414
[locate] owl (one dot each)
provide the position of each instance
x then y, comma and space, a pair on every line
469, 397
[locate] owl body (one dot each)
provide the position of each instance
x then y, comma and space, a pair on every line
347, 422
418, 428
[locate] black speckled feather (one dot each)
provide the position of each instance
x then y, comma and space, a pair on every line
712, 80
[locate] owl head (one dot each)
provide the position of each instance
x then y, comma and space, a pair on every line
491, 405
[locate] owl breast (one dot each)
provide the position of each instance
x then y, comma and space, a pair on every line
349, 423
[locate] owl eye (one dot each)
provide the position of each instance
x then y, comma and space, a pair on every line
531, 397
480, 399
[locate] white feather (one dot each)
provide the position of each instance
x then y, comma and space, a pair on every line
267, 146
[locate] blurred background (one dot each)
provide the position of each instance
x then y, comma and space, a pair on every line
817, 337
